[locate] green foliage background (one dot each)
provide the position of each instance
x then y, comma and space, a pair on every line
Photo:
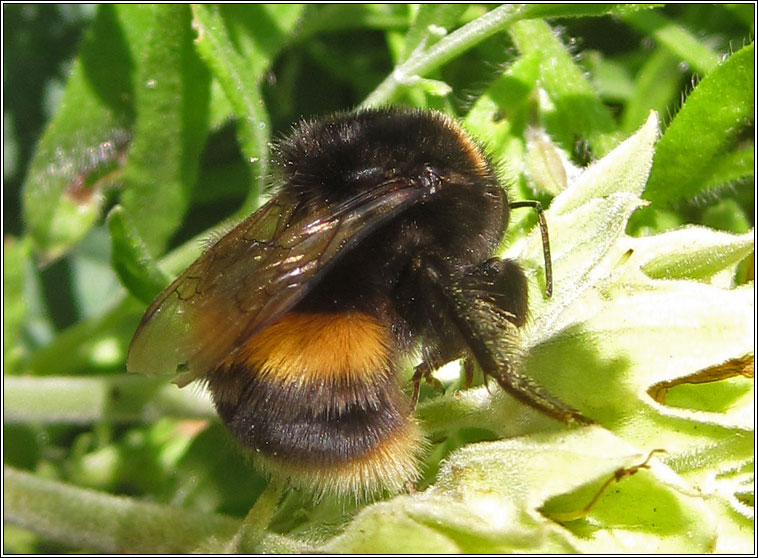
131, 132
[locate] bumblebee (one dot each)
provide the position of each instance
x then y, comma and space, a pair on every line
377, 242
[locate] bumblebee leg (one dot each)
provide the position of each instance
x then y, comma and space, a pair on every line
424, 370
468, 372
488, 318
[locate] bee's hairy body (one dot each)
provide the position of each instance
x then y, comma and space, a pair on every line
378, 242
317, 393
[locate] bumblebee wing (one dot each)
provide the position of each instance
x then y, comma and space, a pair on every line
251, 276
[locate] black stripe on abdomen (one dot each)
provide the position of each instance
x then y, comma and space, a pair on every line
317, 423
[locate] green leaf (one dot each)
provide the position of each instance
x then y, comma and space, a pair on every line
691, 253
676, 38
94, 285
592, 10
731, 167
656, 87
610, 78
87, 137
634, 331
703, 129
745, 13
727, 215
326, 18
239, 84
172, 103
98, 341
131, 260
622, 171
433, 87
15, 262
488, 498
578, 109
500, 117
545, 163
500, 113
238, 50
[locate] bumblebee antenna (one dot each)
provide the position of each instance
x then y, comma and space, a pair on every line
534, 204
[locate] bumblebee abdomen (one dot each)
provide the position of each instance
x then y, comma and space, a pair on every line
315, 395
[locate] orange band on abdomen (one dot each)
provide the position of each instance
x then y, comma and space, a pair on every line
343, 346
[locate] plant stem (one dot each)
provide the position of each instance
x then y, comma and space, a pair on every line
253, 528
423, 62
84, 400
